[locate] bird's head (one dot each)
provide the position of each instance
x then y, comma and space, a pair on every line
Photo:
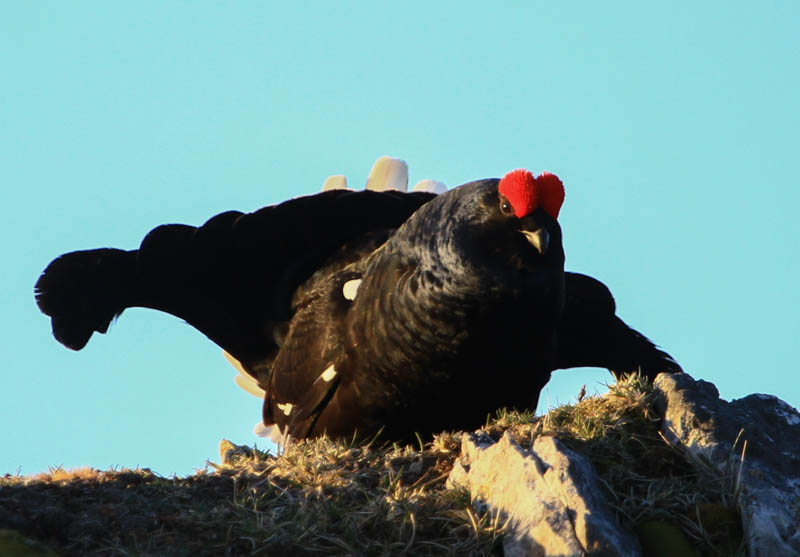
491, 226
531, 200
512, 221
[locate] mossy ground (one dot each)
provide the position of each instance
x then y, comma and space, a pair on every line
327, 497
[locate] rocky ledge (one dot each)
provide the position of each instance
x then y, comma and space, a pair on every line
663, 469
556, 503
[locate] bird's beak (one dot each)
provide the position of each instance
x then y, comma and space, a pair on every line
539, 239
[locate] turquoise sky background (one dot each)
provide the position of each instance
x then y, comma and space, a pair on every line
673, 125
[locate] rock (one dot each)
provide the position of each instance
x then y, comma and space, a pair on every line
768, 477
550, 497
231, 454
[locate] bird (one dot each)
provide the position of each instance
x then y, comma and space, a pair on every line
416, 313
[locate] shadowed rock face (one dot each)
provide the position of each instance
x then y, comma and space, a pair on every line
716, 431
550, 496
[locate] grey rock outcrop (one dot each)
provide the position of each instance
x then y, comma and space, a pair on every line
768, 477
550, 497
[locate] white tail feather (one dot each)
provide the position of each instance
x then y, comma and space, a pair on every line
335, 182
250, 385
388, 174
246, 381
429, 185
266, 431
274, 434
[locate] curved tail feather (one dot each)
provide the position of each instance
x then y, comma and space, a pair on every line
591, 334
84, 291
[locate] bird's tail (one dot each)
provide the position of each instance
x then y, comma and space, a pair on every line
630, 351
591, 334
84, 291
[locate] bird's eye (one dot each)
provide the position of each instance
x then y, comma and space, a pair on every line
505, 207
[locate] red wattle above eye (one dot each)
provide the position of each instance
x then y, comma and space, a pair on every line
551, 193
519, 187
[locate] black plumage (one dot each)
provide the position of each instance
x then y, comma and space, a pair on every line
367, 311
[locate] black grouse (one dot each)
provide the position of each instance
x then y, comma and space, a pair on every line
415, 313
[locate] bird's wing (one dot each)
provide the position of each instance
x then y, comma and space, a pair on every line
591, 334
324, 378
232, 278
313, 360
